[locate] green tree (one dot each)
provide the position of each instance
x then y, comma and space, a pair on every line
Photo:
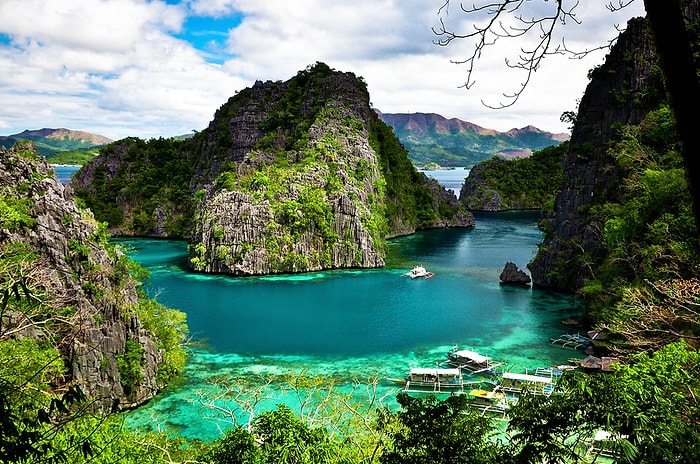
287, 439
650, 408
431, 431
238, 446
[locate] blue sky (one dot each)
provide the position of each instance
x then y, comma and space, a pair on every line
151, 68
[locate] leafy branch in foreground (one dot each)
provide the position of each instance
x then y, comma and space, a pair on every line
431, 431
660, 313
649, 408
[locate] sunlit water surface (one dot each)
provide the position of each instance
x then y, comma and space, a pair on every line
350, 325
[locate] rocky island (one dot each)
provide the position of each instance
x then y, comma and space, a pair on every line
288, 177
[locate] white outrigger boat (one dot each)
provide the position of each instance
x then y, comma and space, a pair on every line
419, 271
471, 361
433, 380
518, 383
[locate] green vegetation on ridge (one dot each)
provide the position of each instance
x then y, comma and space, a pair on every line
521, 183
648, 232
150, 174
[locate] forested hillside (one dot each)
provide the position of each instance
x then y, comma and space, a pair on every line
432, 138
499, 184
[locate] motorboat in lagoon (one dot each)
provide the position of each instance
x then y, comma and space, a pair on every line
419, 271
490, 401
471, 361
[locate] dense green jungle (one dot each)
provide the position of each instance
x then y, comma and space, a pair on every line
644, 294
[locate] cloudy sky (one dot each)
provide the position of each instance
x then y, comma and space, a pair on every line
161, 68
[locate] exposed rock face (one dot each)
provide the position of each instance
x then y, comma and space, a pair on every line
621, 91
277, 200
511, 275
90, 288
288, 177
477, 195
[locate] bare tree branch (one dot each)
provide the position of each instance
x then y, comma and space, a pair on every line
507, 19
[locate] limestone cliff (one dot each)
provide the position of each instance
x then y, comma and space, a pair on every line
82, 295
291, 180
288, 177
620, 92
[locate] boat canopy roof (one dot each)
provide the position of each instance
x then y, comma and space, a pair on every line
473, 355
434, 371
527, 377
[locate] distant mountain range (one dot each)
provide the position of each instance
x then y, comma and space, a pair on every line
50, 142
431, 138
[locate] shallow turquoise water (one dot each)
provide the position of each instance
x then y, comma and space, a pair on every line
351, 325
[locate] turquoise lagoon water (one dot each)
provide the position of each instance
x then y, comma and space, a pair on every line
352, 325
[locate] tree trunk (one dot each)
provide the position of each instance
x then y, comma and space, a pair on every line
673, 47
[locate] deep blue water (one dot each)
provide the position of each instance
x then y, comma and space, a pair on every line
354, 324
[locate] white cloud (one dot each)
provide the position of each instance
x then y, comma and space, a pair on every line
106, 64
123, 67
100, 26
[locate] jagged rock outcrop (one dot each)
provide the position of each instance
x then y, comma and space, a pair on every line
288, 177
294, 199
621, 91
87, 292
511, 275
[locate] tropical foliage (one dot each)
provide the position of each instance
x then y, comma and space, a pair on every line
407, 194
648, 410
151, 174
648, 231
521, 183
